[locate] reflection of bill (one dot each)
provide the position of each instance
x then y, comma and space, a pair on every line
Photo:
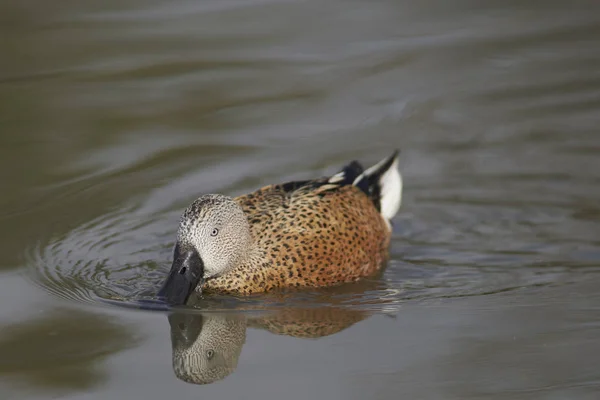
206, 347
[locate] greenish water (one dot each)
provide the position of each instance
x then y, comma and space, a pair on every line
115, 115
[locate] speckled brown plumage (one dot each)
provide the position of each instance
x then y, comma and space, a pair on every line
314, 235
309, 322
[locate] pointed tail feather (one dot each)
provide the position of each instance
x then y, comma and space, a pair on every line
385, 185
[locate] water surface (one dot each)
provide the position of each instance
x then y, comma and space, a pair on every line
115, 116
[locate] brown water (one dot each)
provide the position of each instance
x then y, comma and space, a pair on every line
115, 115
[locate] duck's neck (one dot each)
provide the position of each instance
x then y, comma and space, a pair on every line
253, 256
250, 275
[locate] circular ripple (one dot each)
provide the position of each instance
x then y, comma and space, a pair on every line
122, 258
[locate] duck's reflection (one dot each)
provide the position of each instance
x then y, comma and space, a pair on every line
206, 347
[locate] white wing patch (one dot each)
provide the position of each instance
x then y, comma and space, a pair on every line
340, 176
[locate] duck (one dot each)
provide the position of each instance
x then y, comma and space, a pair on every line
301, 234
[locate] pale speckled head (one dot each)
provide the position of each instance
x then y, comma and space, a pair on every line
213, 237
206, 347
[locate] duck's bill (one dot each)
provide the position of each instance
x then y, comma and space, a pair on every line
186, 274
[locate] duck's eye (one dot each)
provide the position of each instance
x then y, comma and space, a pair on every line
210, 354
214, 232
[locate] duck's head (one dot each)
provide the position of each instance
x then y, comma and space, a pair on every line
213, 237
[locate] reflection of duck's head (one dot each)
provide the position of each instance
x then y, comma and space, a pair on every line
206, 347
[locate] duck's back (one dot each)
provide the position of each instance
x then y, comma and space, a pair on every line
314, 233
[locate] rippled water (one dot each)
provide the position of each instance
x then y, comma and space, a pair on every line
117, 115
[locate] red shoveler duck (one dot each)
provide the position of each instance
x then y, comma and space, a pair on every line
313, 233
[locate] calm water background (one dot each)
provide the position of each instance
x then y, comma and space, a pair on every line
115, 115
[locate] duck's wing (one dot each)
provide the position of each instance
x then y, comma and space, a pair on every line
273, 197
382, 183
346, 176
